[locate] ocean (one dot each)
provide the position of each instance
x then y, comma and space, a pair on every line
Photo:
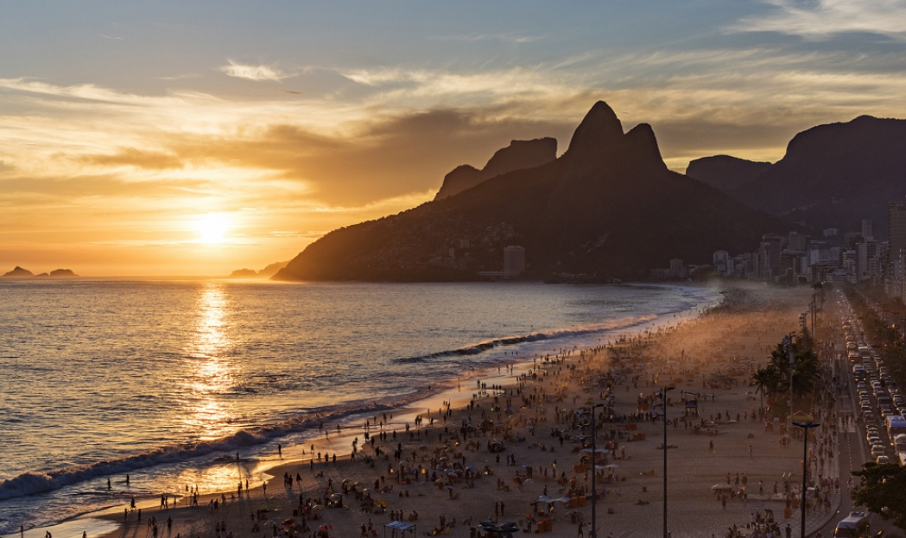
168, 380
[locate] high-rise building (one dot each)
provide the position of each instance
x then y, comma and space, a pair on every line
677, 268
866, 229
867, 259
798, 241
896, 228
719, 260
513, 259
770, 243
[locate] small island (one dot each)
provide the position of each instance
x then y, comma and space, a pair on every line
20, 272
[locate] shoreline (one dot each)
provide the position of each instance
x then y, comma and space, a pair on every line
449, 390
239, 513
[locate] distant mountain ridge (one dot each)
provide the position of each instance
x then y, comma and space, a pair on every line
519, 155
267, 272
608, 208
832, 175
725, 172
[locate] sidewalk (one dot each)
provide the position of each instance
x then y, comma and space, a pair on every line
817, 517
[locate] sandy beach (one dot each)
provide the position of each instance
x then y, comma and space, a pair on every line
436, 467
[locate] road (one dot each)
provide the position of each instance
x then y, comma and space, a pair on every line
852, 448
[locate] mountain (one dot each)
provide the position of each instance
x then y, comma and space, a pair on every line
607, 208
519, 155
724, 172
267, 272
835, 175
271, 269
243, 273
63, 273
19, 272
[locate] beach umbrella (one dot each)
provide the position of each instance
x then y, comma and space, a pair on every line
471, 468
529, 427
721, 487
367, 490
611, 465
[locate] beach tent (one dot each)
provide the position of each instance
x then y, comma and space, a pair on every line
401, 526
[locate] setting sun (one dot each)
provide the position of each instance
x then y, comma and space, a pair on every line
212, 228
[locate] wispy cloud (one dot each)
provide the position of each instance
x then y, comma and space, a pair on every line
822, 19
254, 72
504, 38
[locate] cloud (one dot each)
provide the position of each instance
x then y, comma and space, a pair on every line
822, 19
151, 160
254, 72
504, 38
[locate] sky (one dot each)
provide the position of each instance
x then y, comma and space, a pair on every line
195, 138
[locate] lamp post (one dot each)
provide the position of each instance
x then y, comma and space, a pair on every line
806, 426
594, 472
663, 395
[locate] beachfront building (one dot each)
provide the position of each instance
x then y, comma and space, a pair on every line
896, 249
721, 260
514, 259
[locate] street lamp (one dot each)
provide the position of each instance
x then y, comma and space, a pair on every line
594, 457
594, 471
663, 395
806, 426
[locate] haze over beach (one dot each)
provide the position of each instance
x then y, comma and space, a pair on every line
597, 269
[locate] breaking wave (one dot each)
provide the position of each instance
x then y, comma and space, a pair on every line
533, 337
32, 483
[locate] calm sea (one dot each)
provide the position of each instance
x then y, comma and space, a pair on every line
165, 380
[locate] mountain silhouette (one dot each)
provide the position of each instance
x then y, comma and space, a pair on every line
725, 172
19, 272
607, 208
832, 175
519, 155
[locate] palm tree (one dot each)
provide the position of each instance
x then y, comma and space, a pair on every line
767, 380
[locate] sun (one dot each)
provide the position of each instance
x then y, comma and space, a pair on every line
212, 228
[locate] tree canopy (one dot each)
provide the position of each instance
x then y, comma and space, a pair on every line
774, 378
882, 489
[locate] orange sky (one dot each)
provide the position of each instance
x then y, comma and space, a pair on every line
166, 141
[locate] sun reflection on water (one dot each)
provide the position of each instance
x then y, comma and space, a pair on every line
207, 415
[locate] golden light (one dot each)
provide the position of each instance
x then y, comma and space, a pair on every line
212, 228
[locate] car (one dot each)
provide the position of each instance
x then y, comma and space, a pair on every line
882, 459
878, 450
873, 439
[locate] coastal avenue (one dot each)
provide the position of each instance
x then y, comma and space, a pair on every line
852, 446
